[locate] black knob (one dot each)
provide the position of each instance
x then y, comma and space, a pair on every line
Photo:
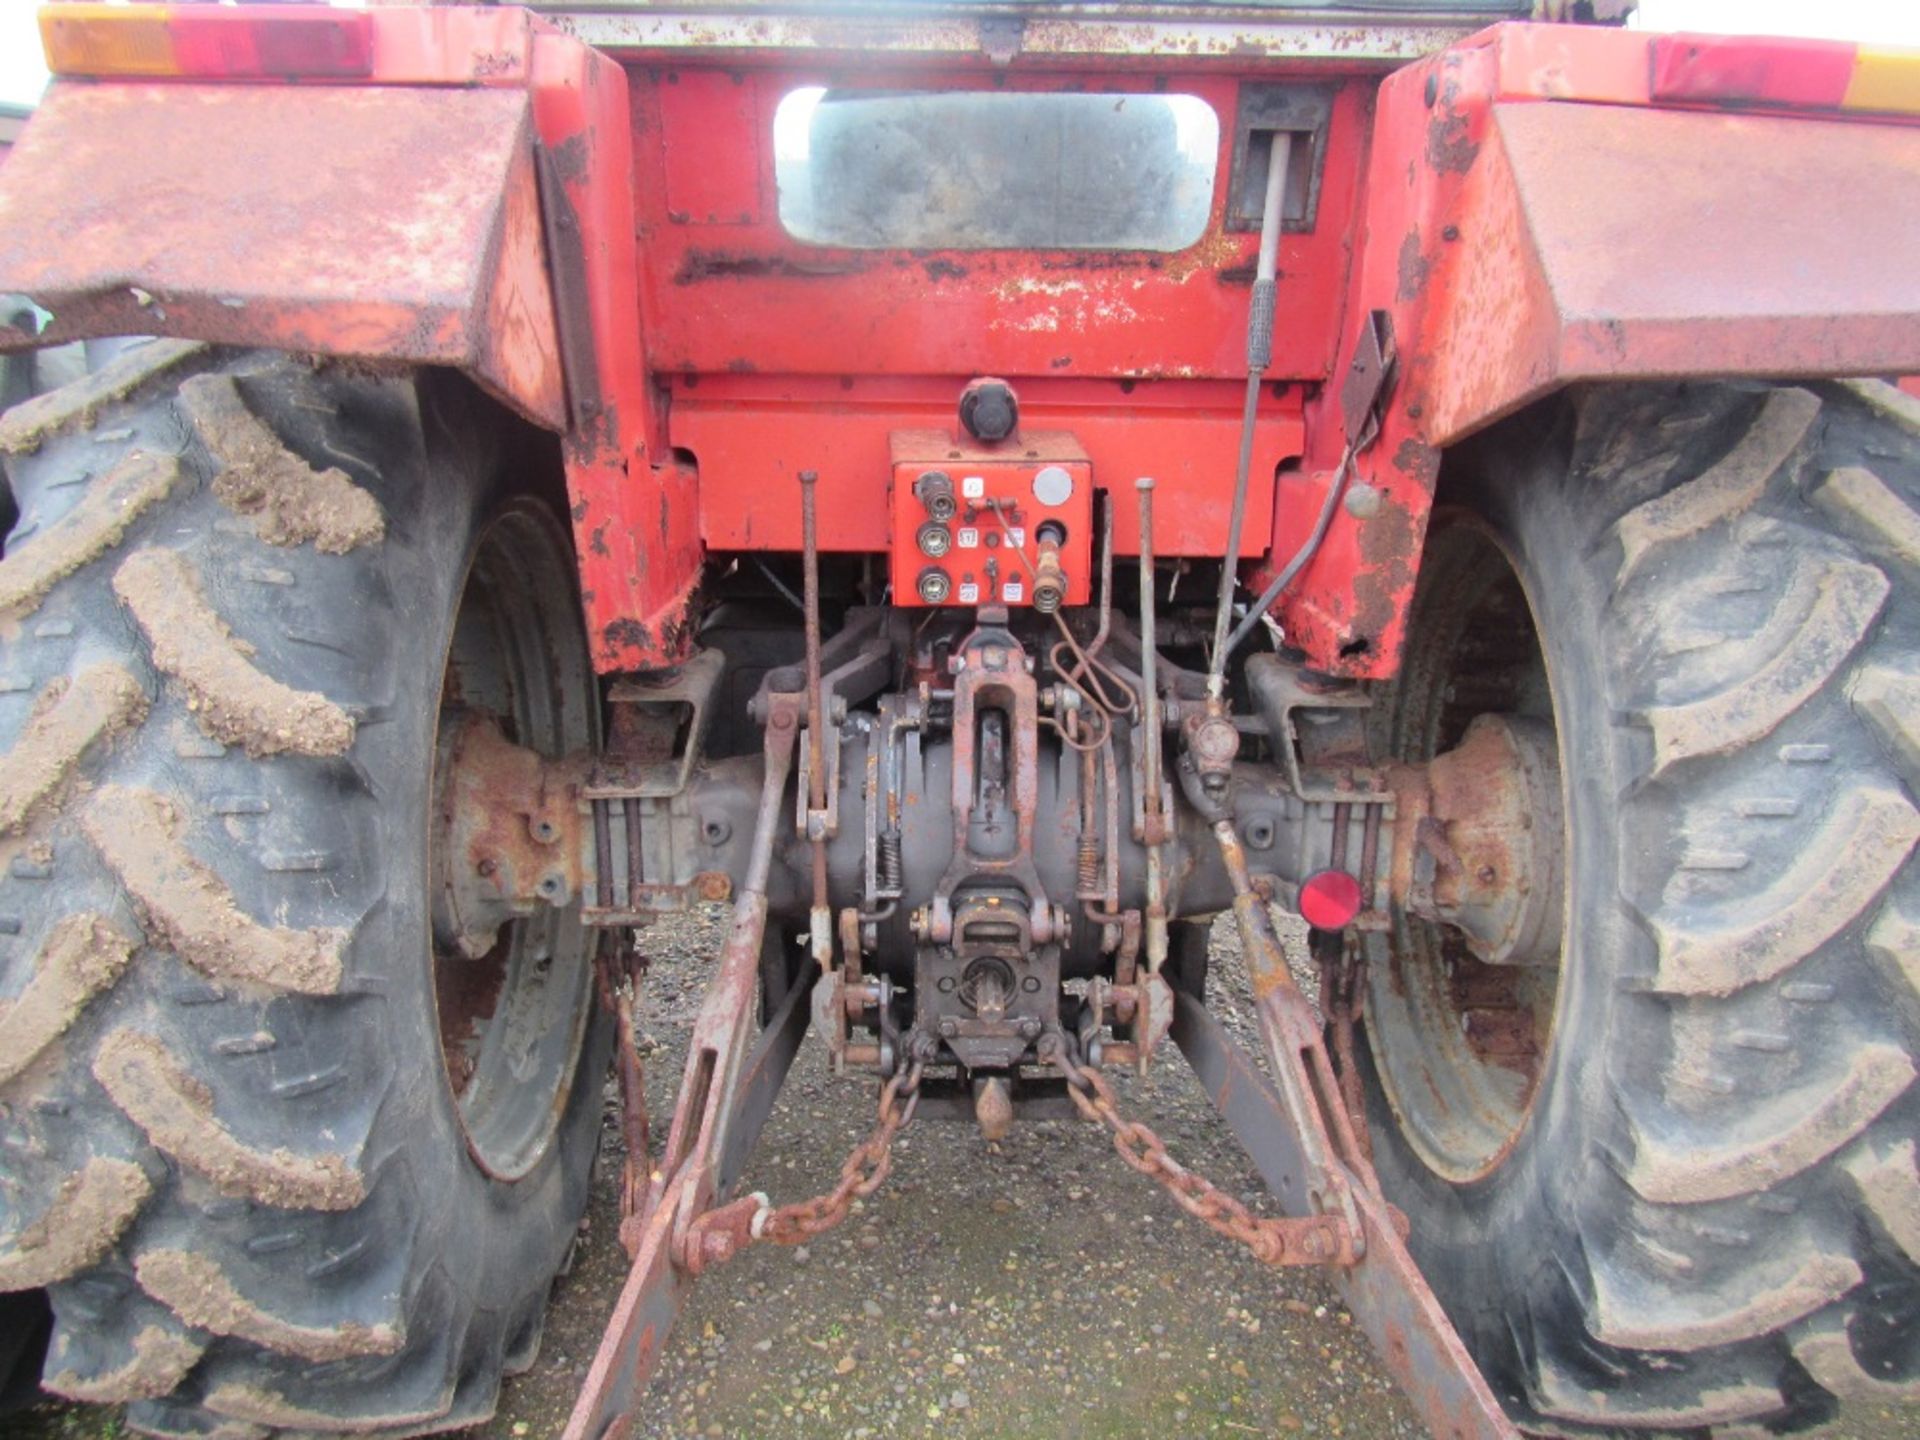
988, 410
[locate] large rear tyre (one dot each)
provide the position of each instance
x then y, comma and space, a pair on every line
1664, 1178
276, 1163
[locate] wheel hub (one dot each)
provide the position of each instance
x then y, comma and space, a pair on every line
1464, 985
509, 832
512, 967
1479, 840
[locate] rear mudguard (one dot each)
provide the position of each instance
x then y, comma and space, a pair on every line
470, 207
372, 222
1531, 221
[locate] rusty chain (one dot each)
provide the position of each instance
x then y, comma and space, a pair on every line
1309, 1240
863, 1172
723, 1232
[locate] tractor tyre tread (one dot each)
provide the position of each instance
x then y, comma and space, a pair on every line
227, 1160
1734, 562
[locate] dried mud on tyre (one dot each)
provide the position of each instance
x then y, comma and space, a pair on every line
234, 1160
1708, 1218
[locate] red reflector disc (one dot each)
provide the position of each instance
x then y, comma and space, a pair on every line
1329, 899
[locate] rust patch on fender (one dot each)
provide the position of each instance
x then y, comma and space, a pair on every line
1451, 148
628, 633
570, 159
1389, 551
1413, 268
1419, 462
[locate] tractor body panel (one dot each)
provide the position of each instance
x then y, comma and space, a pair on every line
1520, 209
1692, 266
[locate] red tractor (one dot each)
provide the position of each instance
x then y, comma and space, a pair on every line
983, 490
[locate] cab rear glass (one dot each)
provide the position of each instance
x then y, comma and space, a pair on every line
995, 170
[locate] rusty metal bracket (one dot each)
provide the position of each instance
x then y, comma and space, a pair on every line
992, 670
822, 823
510, 832
1277, 694
662, 717
1369, 383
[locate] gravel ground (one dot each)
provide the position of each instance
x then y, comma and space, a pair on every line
1040, 1289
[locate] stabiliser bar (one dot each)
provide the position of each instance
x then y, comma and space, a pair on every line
1384, 1289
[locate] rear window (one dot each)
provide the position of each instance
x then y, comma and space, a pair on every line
994, 170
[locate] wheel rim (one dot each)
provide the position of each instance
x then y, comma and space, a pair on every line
1461, 1046
511, 1022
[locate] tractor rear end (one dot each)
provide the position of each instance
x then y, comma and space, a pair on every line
982, 496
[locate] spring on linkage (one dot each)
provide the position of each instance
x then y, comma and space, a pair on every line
892, 871
1089, 864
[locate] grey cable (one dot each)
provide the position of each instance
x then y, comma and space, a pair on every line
1259, 353
1294, 566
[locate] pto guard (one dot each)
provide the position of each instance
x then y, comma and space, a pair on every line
1534, 221
390, 223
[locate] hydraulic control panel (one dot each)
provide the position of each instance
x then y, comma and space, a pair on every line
1000, 524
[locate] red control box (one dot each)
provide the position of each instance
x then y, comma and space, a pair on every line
991, 525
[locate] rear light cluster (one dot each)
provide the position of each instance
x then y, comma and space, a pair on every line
239, 42
316, 42
1785, 74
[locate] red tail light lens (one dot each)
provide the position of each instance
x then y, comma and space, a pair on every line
1787, 74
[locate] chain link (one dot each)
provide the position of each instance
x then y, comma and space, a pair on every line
719, 1234
864, 1171
1312, 1240
1308, 1240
